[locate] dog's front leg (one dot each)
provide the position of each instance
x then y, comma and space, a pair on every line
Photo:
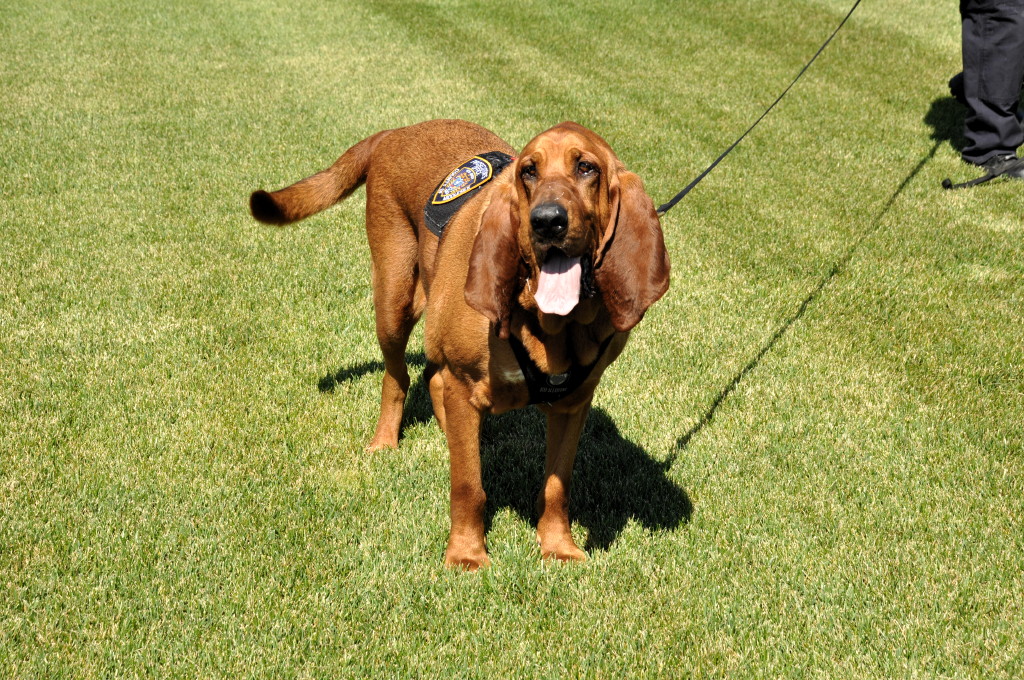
462, 419
553, 531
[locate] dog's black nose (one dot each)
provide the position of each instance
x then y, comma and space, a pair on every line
549, 221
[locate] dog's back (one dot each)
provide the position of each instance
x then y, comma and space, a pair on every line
401, 168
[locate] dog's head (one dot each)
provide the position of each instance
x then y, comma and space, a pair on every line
568, 219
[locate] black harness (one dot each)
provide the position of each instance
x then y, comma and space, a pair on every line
547, 389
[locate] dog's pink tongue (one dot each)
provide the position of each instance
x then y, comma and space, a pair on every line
558, 290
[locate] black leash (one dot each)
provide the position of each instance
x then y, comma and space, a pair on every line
948, 183
678, 197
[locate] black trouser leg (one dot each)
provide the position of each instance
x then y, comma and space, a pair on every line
993, 54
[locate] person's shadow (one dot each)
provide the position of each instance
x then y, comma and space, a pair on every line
614, 479
946, 118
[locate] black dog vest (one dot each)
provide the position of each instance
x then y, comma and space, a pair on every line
460, 185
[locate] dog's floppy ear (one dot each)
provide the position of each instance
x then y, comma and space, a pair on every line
495, 261
632, 263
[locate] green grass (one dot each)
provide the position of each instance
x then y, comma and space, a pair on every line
808, 462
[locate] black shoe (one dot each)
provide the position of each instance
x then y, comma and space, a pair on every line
1007, 165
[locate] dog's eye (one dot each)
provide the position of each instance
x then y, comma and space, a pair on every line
585, 168
528, 172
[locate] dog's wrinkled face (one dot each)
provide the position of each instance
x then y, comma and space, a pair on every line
579, 224
562, 178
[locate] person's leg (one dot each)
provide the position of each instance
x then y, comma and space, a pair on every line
993, 56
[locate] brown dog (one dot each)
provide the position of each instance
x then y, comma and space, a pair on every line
531, 292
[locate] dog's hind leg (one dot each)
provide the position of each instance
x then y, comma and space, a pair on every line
398, 301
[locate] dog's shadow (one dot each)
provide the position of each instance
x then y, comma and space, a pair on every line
417, 402
614, 479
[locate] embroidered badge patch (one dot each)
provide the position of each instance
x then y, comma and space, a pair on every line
460, 185
463, 179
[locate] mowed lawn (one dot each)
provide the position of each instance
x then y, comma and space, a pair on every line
807, 463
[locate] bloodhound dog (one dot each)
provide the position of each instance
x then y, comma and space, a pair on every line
531, 289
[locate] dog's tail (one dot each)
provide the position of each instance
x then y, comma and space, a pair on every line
319, 192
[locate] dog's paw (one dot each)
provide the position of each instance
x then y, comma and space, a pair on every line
562, 549
467, 562
381, 444
466, 550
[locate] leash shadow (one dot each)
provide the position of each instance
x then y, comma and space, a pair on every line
614, 480
943, 117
